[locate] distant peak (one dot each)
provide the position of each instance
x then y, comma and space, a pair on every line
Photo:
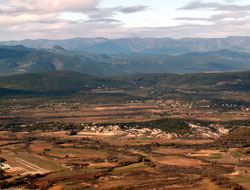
59, 48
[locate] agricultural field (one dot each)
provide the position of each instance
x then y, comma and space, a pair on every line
47, 159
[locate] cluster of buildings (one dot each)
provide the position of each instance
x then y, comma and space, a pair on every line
130, 132
5, 166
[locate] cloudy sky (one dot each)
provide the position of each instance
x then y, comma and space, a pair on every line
61, 19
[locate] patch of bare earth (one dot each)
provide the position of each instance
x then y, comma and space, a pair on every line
172, 151
180, 161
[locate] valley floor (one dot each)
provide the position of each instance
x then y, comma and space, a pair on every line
154, 145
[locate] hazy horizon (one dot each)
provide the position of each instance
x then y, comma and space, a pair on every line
99, 37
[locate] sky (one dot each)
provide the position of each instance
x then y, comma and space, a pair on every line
63, 19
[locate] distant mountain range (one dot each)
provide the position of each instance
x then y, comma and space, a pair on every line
19, 59
165, 46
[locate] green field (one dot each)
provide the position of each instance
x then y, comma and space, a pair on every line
242, 180
236, 154
66, 173
36, 160
79, 152
215, 156
129, 167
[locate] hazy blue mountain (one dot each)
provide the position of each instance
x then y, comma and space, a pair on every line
15, 47
19, 59
166, 46
15, 61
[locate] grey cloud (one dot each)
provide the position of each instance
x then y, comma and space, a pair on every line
117, 30
36, 19
215, 6
107, 14
110, 12
46, 6
232, 1
102, 13
17, 12
192, 19
233, 8
218, 17
199, 5
231, 14
103, 20
133, 9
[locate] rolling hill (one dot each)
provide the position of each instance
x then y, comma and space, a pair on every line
210, 81
55, 81
217, 88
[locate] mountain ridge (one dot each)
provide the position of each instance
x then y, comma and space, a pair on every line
166, 46
19, 59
